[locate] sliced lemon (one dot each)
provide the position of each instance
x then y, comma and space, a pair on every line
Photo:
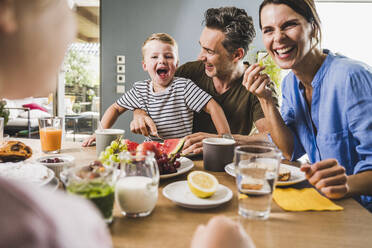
202, 184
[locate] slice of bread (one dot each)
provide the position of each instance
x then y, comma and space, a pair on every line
13, 151
284, 174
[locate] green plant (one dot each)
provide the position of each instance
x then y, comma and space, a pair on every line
4, 112
79, 70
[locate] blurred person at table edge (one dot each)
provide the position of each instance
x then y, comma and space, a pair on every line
219, 71
33, 38
327, 102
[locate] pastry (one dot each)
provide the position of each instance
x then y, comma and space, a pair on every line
284, 174
13, 151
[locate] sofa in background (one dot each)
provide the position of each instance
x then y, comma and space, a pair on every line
24, 114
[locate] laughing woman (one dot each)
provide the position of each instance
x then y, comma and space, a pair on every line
327, 102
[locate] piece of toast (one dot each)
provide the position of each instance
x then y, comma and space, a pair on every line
14, 151
284, 174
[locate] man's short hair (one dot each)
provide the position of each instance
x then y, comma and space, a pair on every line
163, 37
234, 23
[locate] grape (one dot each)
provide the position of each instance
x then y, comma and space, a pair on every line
111, 153
177, 164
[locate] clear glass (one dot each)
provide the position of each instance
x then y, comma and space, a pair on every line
96, 184
1, 130
256, 168
136, 191
50, 130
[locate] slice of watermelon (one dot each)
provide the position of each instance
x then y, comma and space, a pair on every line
131, 145
173, 146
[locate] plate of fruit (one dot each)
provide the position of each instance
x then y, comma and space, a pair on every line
167, 155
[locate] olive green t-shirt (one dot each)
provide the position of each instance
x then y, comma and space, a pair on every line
241, 107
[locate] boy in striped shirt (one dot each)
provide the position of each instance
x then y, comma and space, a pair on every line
170, 101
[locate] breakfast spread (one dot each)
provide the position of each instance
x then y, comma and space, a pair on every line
13, 151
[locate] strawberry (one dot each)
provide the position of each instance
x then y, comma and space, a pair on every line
149, 146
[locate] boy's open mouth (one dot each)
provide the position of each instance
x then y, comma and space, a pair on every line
162, 72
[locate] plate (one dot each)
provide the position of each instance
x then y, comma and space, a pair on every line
27, 172
296, 174
186, 165
179, 193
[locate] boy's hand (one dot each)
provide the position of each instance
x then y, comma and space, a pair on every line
143, 124
89, 141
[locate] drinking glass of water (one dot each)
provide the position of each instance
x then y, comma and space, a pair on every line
136, 190
256, 168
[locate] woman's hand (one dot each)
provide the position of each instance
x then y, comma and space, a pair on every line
193, 142
221, 232
255, 82
143, 124
89, 141
329, 177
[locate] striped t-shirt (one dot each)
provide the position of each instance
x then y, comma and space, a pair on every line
172, 109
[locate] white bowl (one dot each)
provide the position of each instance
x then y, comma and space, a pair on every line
68, 161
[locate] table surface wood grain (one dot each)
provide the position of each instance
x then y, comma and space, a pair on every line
172, 226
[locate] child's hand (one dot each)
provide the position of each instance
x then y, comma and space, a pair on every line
143, 124
89, 141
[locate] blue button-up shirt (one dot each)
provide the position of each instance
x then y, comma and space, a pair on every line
341, 111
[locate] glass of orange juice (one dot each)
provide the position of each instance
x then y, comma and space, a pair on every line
50, 130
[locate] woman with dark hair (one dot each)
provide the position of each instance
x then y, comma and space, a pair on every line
327, 102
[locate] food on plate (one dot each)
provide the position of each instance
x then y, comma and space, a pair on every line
166, 154
52, 160
249, 183
130, 145
26, 172
150, 146
13, 151
111, 153
202, 184
173, 146
284, 174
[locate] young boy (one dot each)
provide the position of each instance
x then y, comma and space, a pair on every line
168, 100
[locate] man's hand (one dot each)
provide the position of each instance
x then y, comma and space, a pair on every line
221, 232
193, 142
89, 141
143, 124
329, 177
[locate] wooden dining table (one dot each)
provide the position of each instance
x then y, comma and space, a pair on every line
173, 226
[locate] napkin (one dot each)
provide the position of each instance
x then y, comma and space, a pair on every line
306, 199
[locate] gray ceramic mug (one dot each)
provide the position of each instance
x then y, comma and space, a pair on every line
217, 152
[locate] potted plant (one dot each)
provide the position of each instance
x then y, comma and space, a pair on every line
4, 112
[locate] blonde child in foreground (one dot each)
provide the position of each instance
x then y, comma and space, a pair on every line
169, 101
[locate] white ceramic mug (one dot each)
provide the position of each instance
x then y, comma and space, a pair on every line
105, 136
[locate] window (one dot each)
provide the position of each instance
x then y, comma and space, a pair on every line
347, 29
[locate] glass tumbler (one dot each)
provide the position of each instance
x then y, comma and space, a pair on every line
50, 130
95, 183
256, 168
136, 191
